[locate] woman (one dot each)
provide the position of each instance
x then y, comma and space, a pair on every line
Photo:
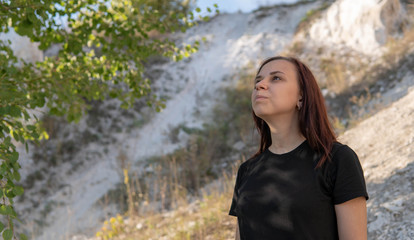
302, 183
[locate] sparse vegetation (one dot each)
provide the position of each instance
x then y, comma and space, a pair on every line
167, 188
171, 181
186, 194
312, 14
335, 74
205, 218
166, 197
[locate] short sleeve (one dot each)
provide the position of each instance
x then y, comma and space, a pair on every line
348, 176
233, 207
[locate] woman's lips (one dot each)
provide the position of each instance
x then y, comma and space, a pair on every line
260, 97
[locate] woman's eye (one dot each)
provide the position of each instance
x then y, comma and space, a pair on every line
276, 78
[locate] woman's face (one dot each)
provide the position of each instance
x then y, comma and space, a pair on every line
276, 91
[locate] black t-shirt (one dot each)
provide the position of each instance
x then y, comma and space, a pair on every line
283, 196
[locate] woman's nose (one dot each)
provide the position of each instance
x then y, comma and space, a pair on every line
261, 85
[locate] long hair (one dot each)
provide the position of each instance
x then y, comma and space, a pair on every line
313, 119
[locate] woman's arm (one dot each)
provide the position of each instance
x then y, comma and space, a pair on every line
237, 232
352, 219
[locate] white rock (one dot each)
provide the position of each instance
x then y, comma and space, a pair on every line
139, 226
360, 25
22, 47
378, 223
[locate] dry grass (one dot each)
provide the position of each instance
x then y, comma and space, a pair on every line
187, 194
204, 218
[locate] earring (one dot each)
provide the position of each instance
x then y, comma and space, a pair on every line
299, 105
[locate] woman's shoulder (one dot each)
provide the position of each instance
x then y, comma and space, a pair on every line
339, 148
346, 174
343, 155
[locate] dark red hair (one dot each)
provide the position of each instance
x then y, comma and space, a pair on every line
313, 119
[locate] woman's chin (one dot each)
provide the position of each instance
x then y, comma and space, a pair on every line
263, 115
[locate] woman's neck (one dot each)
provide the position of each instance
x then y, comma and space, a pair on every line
285, 134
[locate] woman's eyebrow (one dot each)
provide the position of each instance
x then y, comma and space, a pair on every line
276, 72
271, 73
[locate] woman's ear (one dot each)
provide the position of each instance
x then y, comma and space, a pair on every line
299, 103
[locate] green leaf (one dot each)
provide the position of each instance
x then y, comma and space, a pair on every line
40, 102
23, 237
113, 94
102, 8
14, 111
10, 194
124, 105
18, 190
31, 127
3, 210
91, 37
7, 210
35, 135
26, 116
16, 175
16, 136
14, 156
25, 28
1, 226
54, 111
7, 140
198, 10
7, 234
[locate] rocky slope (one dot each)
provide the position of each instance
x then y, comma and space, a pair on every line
66, 197
385, 145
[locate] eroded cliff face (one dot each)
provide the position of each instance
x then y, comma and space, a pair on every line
349, 43
362, 26
349, 36
67, 198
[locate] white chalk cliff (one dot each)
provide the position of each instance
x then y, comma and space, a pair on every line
234, 41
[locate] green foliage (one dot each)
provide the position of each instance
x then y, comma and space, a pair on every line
104, 46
